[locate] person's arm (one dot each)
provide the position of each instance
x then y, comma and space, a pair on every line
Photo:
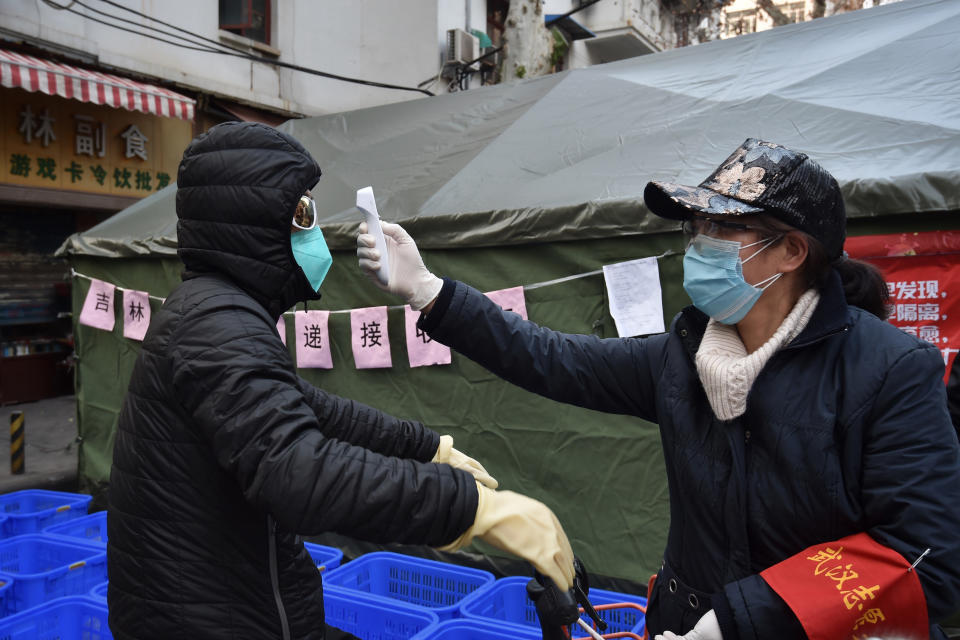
371, 429
911, 475
243, 396
612, 375
909, 492
364, 426
244, 399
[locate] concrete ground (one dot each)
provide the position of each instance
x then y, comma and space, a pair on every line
50, 433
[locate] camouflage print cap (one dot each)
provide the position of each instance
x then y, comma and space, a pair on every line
761, 178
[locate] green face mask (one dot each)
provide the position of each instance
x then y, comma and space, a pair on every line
311, 253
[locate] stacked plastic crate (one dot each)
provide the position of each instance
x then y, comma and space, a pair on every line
407, 595
47, 577
53, 585
505, 604
467, 603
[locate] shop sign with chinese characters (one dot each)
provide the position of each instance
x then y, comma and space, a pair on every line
922, 271
66, 144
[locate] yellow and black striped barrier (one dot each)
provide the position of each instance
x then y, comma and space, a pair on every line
16, 442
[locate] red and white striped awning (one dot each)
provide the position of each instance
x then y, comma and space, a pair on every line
54, 78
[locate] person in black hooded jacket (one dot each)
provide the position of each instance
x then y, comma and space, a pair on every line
803, 436
223, 455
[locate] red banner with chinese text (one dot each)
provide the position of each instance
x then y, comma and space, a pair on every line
922, 271
852, 589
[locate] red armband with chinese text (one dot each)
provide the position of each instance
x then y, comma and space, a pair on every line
850, 589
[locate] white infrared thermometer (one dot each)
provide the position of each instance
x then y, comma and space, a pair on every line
368, 207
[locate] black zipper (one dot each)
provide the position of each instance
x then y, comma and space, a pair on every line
275, 578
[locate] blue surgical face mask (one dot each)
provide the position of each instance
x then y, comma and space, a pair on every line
713, 278
311, 253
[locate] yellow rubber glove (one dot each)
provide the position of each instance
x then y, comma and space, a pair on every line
524, 527
446, 454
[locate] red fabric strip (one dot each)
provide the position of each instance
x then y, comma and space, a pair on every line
851, 589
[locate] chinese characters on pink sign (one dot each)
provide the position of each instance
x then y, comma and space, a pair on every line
136, 314
421, 349
97, 308
368, 327
368, 335
313, 339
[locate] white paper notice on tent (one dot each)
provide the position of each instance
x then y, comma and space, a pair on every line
636, 303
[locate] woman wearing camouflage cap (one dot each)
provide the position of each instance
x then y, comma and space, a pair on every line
809, 453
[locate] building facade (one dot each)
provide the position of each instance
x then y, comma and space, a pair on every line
741, 17
747, 16
98, 101
612, 30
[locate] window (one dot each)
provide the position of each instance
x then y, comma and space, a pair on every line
741, 22
794, 11
247, 18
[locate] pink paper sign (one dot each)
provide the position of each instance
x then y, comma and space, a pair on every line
282, 330
136, 314
510, 300
313, 339
98, 306
368, 329
421, 349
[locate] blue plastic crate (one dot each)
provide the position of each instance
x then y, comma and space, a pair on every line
438, 586
463, 629
72, 618
91, 528
99, 592
44, 568
374, 618
506, 600
326, 558
33, 510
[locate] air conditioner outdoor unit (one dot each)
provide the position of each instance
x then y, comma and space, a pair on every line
462, 47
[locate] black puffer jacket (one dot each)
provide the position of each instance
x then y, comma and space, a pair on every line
846, 430
223, 454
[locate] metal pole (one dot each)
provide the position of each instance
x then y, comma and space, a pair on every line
17, 455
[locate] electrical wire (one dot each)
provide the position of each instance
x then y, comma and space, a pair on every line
208, 49
166, 24
204, 49
462, 72
219, 46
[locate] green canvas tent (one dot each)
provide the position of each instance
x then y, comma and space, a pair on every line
539, 181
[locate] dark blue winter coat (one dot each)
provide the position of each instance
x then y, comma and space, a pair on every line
846, 430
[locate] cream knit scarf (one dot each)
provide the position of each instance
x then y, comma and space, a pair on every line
726, 370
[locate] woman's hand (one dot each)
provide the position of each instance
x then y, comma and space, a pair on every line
707, 628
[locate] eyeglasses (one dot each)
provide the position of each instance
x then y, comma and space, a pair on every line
305, 217
714, 228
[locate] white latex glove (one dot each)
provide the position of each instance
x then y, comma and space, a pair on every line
446, 454
707, 628
524, 527
409, 279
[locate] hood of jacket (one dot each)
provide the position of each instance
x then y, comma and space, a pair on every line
237, 189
